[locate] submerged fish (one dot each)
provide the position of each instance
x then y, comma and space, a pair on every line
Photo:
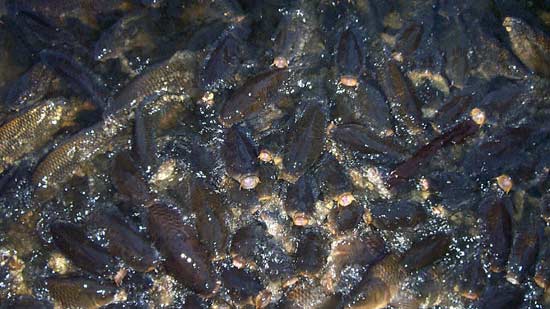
36, 126
77, 292
185, 257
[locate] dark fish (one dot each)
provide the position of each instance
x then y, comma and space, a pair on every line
185, 257
252, 245
363, 140
452, 190
39, 34
293, 34
210, 218
127, 179
525, 245
300, 200
245, 241
31, 87
61, 12
542, 275
252, 97
125, 241
491, 58
305, 142
426, 252
146, 125
76, 72
402, 102
72, 241
471, 279
408, 39
76, 292
334, 181
224, 59
34, 127
351, 250
507, 145
271, 148
243, 285
393, 216
240, 157
454, 43
349, 58
529, 44
456, 135
270, 186
129, 32
311, 253
496, 228
504, 296
174, 75
451, 111
366, 106
344, 219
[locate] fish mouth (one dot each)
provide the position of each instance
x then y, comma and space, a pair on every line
280, 62
249, 182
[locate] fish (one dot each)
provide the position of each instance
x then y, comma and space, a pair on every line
240, 157
305, 142
496, 226
251, 97
366, 106
300, 200
223, 61
125, 241
308, 293
129, 32
354, 249
349, 58
542, 268
146, 125
60, 164
128, 181
402, 103
210, 218
295, 35
344, 219
185, 258
73, 242
525, 246
426, 251
31, 87
34, 127
78, 292
396, 215
311, 252
471, 280
408, 40
530, 45
244, 285
76, 72
251, 245
456, 135
334, 181
175, 75
361, 139
380, 285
